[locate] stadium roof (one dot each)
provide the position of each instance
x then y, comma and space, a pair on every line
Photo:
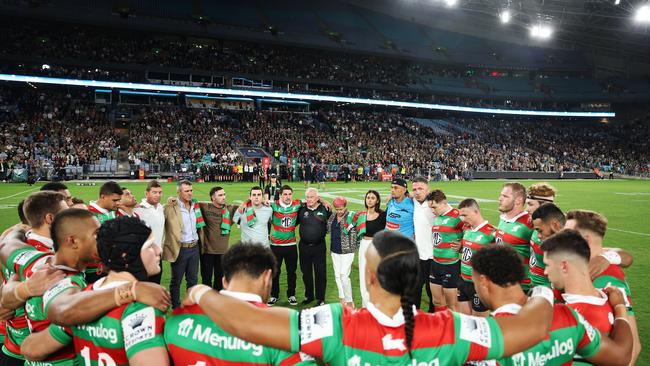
603, 27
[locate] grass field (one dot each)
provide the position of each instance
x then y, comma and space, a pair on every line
625, 203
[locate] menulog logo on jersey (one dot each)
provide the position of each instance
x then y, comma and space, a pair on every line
540, 358
207, 336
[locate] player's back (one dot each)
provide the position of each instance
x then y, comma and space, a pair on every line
343, 336
192, 338
570, 335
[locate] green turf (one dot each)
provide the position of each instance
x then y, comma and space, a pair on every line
625, 203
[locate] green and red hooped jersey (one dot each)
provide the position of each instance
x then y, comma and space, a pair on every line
37, 319
117, 336
570, 335
517, 232
102, 215
447, 228
596, 309
473, 240
17, 328
536, 262
614, 276
193, 339
341, 336
284, 223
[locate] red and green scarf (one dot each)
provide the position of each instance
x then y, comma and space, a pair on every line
226, 221
199, 215
356, 220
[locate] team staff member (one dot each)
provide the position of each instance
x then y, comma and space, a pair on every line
399, 210
312, 219
183, 219
422, 223
218, 216
344, 242
152, 213
388, 331
247, 275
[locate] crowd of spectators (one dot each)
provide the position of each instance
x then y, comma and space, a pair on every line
53, 130
107, 54
49, 129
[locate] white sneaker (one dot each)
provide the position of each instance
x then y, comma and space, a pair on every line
272, 301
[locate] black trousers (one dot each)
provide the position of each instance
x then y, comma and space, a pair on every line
211, 271
314, 269
423, 280
288, 254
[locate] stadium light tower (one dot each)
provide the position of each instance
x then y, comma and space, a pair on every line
541, 30
505, 16
643, 14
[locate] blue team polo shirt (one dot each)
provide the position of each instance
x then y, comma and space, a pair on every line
399, 216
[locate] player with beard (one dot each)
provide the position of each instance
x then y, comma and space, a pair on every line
127, 204
390, 330
477, 234
515, 224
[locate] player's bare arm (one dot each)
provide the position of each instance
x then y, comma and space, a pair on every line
74, 307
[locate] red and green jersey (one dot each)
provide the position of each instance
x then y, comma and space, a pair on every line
37, 319
17, 328
517, 232
100, 213
192, 338
283, 225
536, 263
40, 243
614, 276
447, 228
596, 309
117, 336
473, 240
341, 336
570, 335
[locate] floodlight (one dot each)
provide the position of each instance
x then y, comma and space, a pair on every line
504, 16
642, 14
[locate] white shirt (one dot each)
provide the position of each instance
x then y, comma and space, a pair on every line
154, 217
188, 218
423, 222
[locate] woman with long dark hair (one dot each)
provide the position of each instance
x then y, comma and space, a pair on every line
374, 220
390, 330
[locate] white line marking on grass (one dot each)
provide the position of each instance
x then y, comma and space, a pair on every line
19, 193
633, 193
350, 199
630, 232
8, 207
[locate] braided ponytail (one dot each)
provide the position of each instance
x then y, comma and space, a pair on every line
409, 320
398, 274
